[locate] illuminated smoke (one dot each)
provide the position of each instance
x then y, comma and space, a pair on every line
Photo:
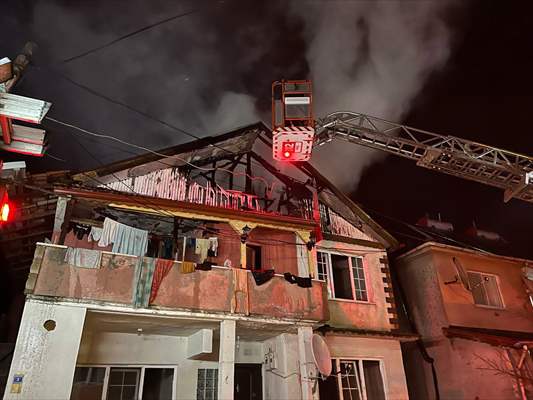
369, 57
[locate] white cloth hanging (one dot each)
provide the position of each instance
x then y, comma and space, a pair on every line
83, 258
108, 232
95, 234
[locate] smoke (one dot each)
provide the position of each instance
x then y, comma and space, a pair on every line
371, 57
211, 71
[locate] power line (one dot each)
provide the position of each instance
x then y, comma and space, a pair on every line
139, 112
128, 35
269, 186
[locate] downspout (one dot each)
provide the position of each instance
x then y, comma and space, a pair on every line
423, 351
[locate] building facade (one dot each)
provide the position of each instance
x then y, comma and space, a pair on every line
201, 272
473, 311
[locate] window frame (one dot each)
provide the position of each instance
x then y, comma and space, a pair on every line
498, 287
216, 381
329, 273
361, 375
142, 368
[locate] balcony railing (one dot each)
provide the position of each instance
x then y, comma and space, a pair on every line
119, 280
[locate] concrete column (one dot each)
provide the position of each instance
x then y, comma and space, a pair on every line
59, 219
307, 365
226, 361
45, 354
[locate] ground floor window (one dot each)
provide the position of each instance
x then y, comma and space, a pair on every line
123, 383
207, 384
354, 380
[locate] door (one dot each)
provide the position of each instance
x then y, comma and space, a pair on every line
248, 382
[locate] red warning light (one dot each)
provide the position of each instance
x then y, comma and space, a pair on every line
4, 212
287, 154
5, 208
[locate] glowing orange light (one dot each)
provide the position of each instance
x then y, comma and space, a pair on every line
4, 212
287, 154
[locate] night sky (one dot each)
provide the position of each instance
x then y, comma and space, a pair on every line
182, 73
485, 94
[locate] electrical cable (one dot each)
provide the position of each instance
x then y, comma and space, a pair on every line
269, 186
128, 35
146, 115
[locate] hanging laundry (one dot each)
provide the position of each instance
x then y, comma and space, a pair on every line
201, 248
186, 267
262, 277
213, 247
142, 281
129, 240
191, 242
162, 268
304, 282
80, 230
108, 232
300, 281
83, 258
205, 266
95, 234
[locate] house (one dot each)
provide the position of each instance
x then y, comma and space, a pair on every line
200, 272
474, 313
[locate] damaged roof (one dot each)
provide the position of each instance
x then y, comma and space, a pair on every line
238, 142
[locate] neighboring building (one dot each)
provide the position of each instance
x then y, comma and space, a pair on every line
473, 311
137, 319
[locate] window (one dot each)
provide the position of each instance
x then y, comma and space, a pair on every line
359, 279
157, 383
322, 266
345, 276
357, 380
207, 384
123, 384
88, 383
485, 289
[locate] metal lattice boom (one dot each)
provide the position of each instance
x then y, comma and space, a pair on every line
459, 157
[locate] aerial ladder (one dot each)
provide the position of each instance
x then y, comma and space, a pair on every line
295, 132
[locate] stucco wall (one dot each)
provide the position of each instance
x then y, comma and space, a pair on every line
388, 351
201, 290
463, 373
47, 359
281, 299
371, 315
112, 282
436, 304
283, 382
458, 302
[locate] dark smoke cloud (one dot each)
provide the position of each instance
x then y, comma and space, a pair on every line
211, 71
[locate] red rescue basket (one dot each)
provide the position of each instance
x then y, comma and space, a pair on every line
293, 124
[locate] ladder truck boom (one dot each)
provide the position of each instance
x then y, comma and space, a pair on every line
506, 170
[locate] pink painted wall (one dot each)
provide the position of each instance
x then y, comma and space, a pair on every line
436, 304
371, 315
112, 282
200, 290
517, 314
279, 298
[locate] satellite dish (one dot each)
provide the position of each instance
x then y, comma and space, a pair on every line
321, 355
462, 275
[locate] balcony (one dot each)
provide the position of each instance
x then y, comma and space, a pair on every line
226, 290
